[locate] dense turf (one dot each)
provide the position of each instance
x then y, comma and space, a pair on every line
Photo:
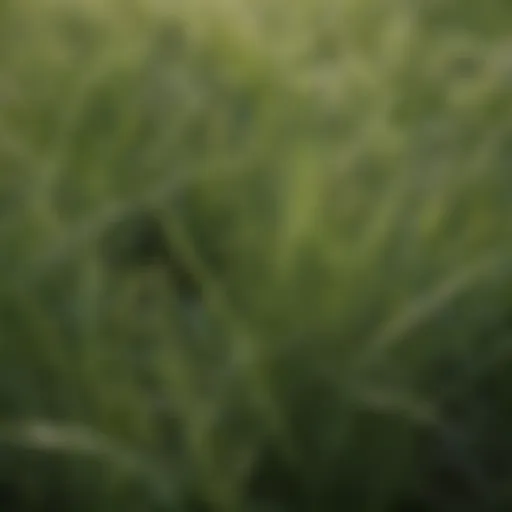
255, 256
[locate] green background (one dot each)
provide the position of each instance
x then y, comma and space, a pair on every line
255, 256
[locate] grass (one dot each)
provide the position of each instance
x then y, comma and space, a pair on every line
255, 258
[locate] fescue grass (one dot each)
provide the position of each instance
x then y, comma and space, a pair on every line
255, 256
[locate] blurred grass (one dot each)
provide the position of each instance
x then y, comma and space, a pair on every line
255, 257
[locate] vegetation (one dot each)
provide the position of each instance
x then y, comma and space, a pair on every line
254, 256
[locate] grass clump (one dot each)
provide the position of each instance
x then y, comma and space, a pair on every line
253, 257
